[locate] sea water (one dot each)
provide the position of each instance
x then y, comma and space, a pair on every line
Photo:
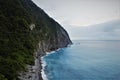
85, 60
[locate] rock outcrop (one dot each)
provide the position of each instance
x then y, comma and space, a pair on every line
26, 33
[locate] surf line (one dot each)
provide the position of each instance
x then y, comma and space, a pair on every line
43, 64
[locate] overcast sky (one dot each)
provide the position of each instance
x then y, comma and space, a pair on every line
81, 13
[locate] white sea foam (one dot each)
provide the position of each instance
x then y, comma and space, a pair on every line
44, 76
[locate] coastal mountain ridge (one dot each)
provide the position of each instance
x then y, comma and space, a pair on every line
26, 33
109, 30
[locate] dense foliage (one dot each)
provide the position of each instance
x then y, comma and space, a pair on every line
17, 41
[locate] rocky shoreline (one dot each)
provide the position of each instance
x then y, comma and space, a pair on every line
27, 32
33, 71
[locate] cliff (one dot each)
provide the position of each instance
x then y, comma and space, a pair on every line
26, 33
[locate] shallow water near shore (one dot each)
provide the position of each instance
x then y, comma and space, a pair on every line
85, 60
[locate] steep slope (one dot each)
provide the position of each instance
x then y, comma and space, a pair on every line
26, 32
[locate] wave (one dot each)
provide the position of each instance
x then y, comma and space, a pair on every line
43, 64
44, 76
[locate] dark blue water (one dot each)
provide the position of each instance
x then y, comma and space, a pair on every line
85, 60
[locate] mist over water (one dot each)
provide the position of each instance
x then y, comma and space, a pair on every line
85, 60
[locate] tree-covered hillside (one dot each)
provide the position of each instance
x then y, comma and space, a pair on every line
22, 26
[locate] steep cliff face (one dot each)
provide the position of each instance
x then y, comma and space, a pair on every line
53, 32
26, 32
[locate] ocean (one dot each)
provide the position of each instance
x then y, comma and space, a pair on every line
84, 60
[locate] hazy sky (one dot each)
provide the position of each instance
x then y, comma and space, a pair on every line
80, 13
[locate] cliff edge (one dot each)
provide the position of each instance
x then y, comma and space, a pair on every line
26, 33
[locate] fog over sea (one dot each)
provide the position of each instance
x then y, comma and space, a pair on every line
84, 60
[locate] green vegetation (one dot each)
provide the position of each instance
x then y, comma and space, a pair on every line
2, 77
17, 41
